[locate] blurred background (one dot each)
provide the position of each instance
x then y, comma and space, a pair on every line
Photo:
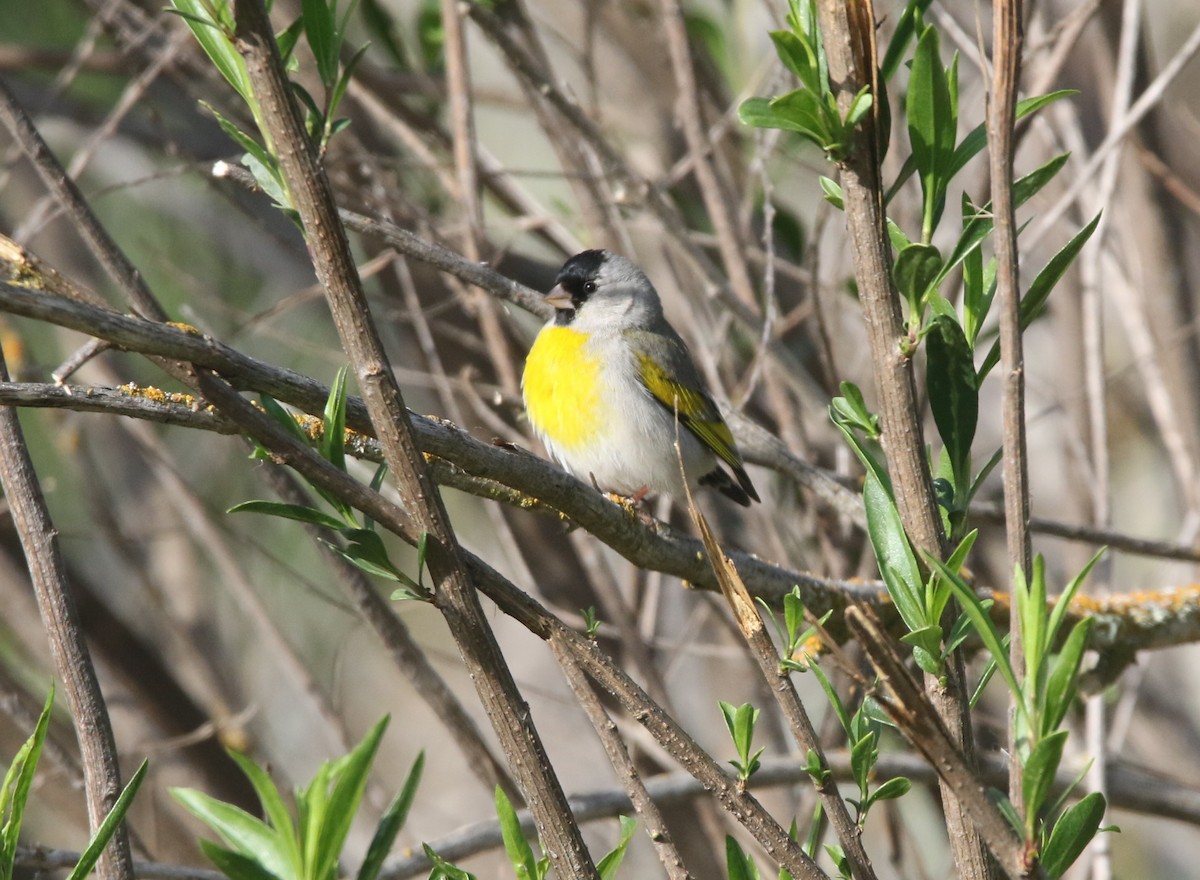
213, 630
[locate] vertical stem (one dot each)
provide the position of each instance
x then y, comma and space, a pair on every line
466, 165
72, 662
848, 30
1006, 66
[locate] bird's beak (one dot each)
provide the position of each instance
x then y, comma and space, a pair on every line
560, 299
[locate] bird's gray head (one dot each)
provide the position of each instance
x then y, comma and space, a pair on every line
598, 288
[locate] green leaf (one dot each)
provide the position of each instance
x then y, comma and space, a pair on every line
443, 870
738, 865
976, 611
283, 418
391, 822
91, 853
286, 40
243, 833
1064, 670
1030, 597
893, 553
243, 140
979, 224
906, 26
1033, 303
851, 410
835, 701
926, 643
18, 779
296, 512
932, 125
1007, 810
833, 192
234, 865
274, 809
333, 437
915, 270
320, 27
343, 83
1073, 831
863, 101
1063, 603
803, 119
863, 755
953, 394
798, 56
214, 40
519, 851
896, 787
1038, 775
349, 784
608, 866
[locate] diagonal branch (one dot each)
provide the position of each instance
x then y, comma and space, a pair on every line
455, 594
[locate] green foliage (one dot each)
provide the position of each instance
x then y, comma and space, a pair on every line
591, 622
932, 107
1043, 696
14, 795
362, 546
792, 632
740, 720
811, 110
306, 844
324, 31
520, 853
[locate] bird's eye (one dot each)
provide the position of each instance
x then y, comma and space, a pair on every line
589, 287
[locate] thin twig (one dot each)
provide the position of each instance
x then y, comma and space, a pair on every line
1006, 66
68, 647
780, 684
618, 754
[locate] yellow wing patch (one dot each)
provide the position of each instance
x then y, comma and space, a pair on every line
695, 409
562, 388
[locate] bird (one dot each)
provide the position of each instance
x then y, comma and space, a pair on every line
609, 387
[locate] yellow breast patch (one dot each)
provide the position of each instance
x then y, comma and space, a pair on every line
562, 388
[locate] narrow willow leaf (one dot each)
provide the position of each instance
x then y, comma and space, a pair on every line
893, 553
289, 511
984, 628
1038, 775
320, 27
1073, 831
1063, 603
898, 47
1064, 671
349, 783
18, 779
608, 866
520, 853
391, 822
953, 394
738, 865
91, 853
